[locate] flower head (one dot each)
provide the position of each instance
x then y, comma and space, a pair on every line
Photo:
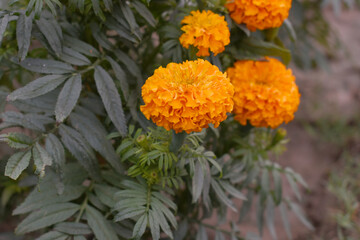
187, 96
259, 14
265, 92
205, 30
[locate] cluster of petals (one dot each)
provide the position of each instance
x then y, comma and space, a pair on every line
187, 96
259, 14
206, 31
266, 94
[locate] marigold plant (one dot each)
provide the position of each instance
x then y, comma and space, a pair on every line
206, 31
117, 132
259, 14
187, 96
266, 94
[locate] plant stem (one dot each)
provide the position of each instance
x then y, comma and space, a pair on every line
82, 209
84, 204
92, 66
148, 198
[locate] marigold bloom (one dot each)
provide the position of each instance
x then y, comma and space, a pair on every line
205, 30
265, 92
187, 96
259, 14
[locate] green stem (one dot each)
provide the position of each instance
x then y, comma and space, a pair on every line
148, 198
41, 137
271, 34
84, 203
92, 66
82, 209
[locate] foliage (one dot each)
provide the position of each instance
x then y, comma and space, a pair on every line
344, 183
345, 186
71, 74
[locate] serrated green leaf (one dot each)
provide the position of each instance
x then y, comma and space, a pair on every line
32, 121
94, 200
232, 190
100, 37
41, 158
300, 215
285, 220
108, 4
95, 134
167, 213
123, 32
129, 16
46, 195
46, 66
80, 149
56, 150
144, 12
270, 217
140, 227
221, 195
105, 194
99, 225
294, 186
53, 235
97, 9
278, 186
73, 228
17, 163
47, 216
23, 34
50, 29
260, 208
129, 213
80, 46
16, 140
197, 182
154, 225
68, 98
162, 220
73, 57
111, 99
37, 87
263, 48
290, 29
121, 76
79, 238
246, 206
3, 25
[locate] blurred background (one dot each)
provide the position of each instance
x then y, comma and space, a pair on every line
324, 138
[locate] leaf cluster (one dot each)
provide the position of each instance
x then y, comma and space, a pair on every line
71, 75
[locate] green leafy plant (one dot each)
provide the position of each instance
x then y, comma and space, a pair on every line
345, 186
72, 72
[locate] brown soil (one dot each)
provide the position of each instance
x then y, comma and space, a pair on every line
329, 95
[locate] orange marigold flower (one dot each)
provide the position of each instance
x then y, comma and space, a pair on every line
259, 14
187, 96
265, 92
205, 30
